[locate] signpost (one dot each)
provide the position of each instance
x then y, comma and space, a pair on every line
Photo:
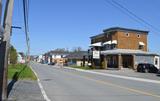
96, 54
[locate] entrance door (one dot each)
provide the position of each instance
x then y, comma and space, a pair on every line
127, 61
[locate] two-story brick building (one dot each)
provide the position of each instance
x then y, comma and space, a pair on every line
121, 48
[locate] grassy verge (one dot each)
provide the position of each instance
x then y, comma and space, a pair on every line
80, 67
20, 71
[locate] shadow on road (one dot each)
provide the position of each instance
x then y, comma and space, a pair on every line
158, 75
15, 78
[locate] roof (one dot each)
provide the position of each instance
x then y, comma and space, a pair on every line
77, 55
112, 29
57, 53
124, 29
22, 54
126, 52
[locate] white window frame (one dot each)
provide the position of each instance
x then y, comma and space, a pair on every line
127, 34
138, 35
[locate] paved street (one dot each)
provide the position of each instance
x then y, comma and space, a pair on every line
70, 85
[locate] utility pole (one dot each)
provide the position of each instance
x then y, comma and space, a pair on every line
1, 69
0, 11
4, 47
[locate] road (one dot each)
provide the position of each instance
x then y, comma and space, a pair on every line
70, 85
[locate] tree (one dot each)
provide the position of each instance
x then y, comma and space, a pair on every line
77, 49
13, 55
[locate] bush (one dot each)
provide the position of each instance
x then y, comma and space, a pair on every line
103, 65
13, 55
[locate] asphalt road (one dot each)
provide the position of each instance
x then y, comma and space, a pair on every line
70, 85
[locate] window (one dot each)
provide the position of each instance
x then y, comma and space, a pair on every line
127, 34
113, 46
156, 61
61, 56
140, 47
107, 35
138, 36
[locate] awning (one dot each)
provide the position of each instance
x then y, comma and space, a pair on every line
141, 43
107, 43
114, 42
98, 44
127, 52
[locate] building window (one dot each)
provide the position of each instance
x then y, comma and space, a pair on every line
61, 56
138, 36
127, 34
156, 61
113, 46
108, 46
107, 35
140, 47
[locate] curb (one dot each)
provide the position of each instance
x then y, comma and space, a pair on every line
116, 76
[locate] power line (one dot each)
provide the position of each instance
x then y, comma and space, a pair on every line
133, 18
25, 12
129, 13
152, 26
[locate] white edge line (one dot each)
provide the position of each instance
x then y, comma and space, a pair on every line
117, 76
41, 87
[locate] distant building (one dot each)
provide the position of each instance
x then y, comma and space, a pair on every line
21, 57
39, 58
57, 57
78, 58
121, 48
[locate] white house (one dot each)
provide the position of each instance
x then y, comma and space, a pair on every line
39, 59
21, 58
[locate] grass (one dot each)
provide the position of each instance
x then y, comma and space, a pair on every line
81, 67
20, 71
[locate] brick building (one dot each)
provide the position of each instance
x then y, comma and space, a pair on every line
121, 48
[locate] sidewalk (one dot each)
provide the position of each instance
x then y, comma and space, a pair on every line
25, 90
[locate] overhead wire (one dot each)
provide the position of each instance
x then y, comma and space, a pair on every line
25, 13
133, 18
132, 15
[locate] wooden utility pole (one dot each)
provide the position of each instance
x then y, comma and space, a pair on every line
1, 69
4, 47
0, 11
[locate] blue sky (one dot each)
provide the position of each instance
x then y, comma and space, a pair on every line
70, 23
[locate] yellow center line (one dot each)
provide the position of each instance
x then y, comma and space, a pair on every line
115, 85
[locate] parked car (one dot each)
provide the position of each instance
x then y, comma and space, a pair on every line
147, 68
52, 63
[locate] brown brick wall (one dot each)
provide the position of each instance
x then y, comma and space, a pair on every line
131, 41
124, 42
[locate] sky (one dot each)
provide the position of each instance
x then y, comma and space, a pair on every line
70, 23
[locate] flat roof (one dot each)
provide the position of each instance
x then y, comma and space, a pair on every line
124, 29
120, 29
